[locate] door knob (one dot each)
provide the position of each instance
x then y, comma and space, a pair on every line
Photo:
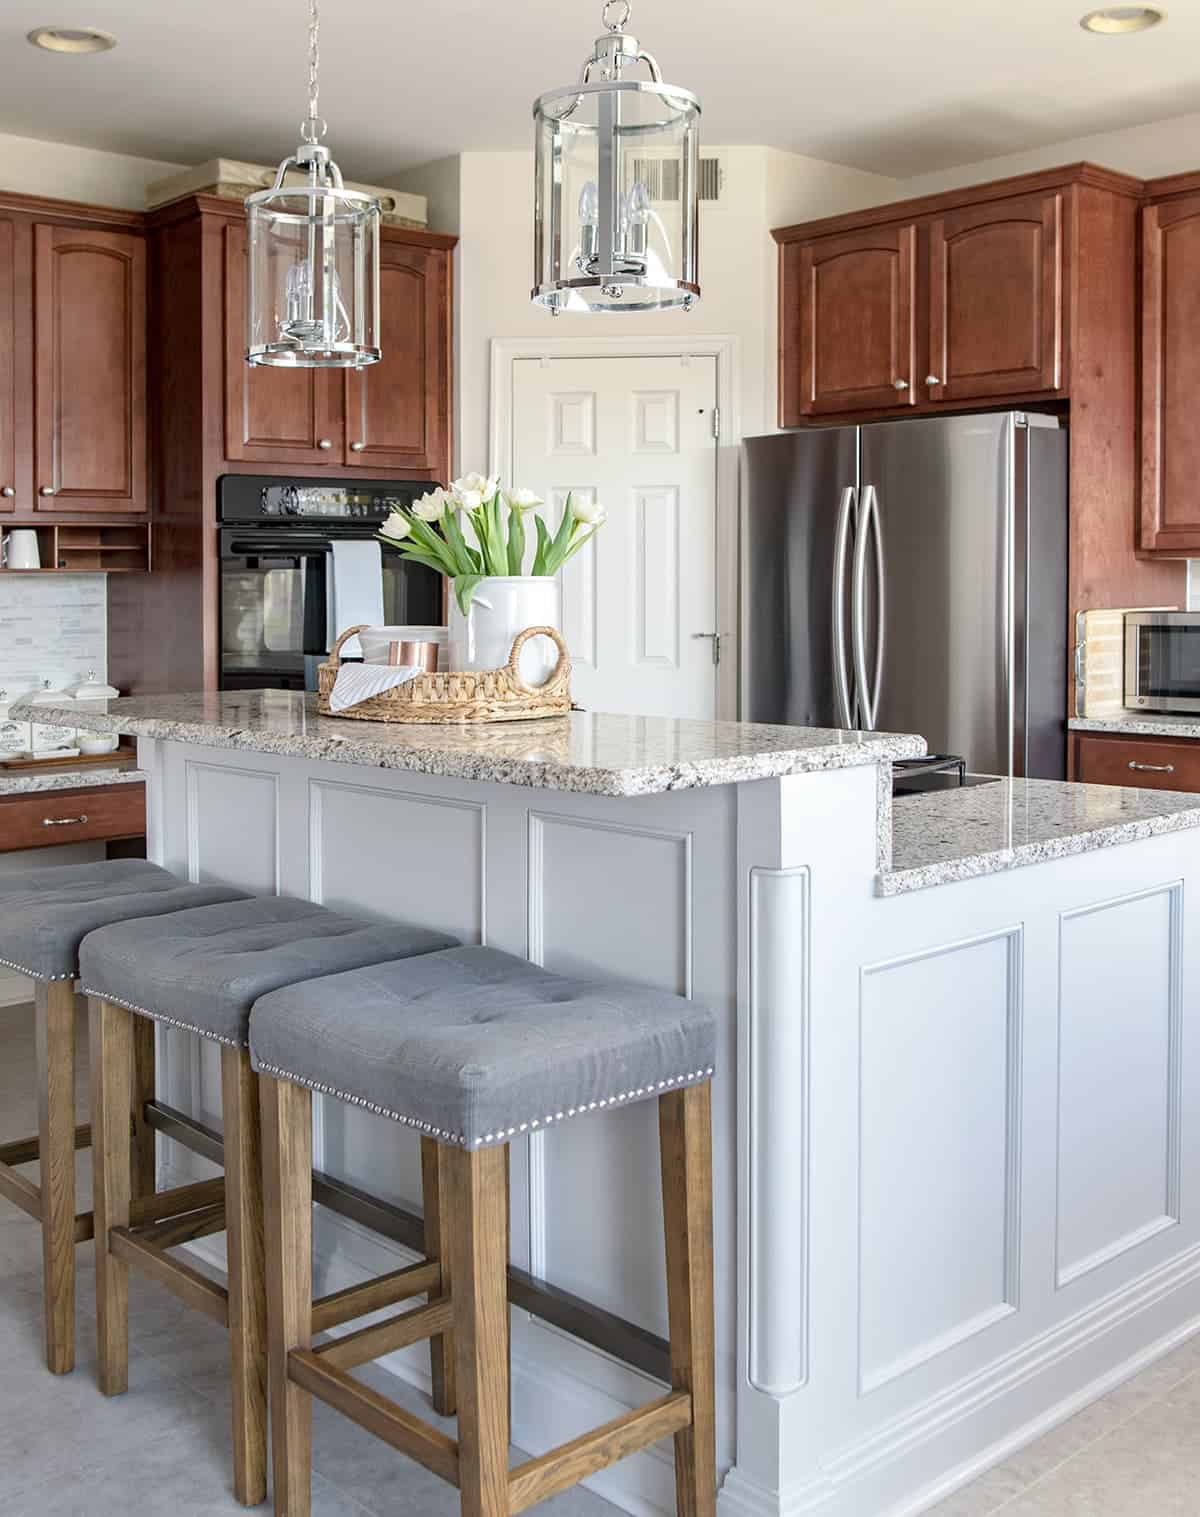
357, 447
899, 384
8, 492
325, 443
932, 379
46, 490
716, 643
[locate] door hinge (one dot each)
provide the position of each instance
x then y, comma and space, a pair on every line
717, 423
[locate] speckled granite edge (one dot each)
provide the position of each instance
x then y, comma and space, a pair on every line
357, 748
29, 782
1139, 726
974, 866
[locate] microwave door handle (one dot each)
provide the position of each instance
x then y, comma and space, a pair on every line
870, 534
841, 665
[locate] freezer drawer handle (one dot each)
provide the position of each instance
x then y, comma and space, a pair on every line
1152, 768
841, 546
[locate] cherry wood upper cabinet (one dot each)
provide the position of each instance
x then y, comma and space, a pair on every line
1171, 376
89, 452
15, 357
397, 417
848, 316
996, 299
275, 416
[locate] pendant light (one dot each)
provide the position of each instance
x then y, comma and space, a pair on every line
313, 266
617, 192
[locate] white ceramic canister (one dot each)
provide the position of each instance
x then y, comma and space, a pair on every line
93, 688
15, 736
45, 739
504, 605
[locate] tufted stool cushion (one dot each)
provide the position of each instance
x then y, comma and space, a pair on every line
203, 970
473, 1046
46, 913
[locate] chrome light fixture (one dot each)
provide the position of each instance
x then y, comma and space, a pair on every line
313, 268
617, 193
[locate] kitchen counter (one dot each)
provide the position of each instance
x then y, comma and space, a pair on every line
30, 782
960, 834
1131, 724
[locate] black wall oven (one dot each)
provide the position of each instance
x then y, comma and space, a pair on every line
276, 592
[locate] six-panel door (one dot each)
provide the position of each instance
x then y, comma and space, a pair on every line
849, 334
90, 367
996, 299
1171, 376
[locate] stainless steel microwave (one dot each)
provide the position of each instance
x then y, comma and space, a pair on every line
1162, 660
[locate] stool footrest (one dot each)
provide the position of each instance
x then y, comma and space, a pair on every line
21, 1192
374, 1295
170, 1233
192, 1288
564, 1467
387, 1337
376, 1413
28, 1150
164, 1204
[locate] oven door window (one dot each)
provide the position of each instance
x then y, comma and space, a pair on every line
274, 608
1169, 662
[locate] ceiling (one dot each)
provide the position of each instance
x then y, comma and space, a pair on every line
898, 88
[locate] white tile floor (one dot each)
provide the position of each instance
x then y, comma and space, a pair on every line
66, 1451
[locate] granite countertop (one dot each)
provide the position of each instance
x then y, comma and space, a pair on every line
30, 782
593, 753
950, 835
1133, 725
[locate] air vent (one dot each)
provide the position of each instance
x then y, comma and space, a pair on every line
661, 177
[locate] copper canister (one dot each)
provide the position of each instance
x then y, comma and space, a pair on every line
423, 656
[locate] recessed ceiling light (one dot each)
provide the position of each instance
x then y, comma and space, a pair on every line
1118, 20
72, 39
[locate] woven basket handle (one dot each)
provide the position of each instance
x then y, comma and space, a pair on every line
335, 653
560, 671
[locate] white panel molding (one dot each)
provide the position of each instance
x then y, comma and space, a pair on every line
1013, 939
655, 633
572, 423
1065, 1274
654, 424
192, 771
780, 1018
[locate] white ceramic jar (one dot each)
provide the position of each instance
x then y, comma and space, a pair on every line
504, 606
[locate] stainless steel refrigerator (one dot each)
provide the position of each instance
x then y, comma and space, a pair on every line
911, 576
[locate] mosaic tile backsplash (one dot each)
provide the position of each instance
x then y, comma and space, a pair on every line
51, 627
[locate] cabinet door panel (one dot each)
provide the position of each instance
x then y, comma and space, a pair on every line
16, 367
848, 317
1171, 376
996, 301
90, 347
283, 416
397, 410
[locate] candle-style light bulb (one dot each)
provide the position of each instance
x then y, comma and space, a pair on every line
637, 212
589, 225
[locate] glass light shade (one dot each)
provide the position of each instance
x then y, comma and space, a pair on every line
313, 277
617, 197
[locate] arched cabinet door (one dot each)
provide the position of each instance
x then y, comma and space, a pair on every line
90, 368
996, 299
848, 327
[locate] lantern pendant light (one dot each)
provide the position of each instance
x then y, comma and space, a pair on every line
313, 266
617, 192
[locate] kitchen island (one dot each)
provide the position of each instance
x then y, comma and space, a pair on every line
957, 1040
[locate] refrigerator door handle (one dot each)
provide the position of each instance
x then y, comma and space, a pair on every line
841, 550
869, 683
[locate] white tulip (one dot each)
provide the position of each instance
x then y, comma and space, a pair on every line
431, 507
590, 512
397, 527
482, 485
467, 500
523, 500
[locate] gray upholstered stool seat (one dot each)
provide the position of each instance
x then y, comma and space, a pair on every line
203, 970
46, 913
473, 1046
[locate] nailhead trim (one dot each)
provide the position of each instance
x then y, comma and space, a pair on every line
34, 975
161, 1016
693, 1077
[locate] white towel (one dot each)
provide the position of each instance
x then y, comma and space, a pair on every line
357, 589
357, 682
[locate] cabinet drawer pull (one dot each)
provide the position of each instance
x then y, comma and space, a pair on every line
64, 821
1152, 768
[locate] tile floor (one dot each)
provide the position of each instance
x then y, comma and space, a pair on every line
65, 1451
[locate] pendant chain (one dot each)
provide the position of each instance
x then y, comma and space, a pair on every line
314, 127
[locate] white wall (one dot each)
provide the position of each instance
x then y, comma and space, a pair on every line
64, 172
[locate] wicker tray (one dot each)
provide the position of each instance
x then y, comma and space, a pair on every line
484, 695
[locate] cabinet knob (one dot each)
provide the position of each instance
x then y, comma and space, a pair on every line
899, 384
325, 443
932, 379
8, 492
357, 447
46, 490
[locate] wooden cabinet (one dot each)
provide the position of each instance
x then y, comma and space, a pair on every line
392, 417
847, 314
14, 419
90, 814
1151, 763
1170, 515
90, 370
995, 299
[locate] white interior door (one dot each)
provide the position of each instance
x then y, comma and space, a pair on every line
636, 434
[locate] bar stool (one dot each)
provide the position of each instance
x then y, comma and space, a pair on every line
201, 971
472, 1048
45, 913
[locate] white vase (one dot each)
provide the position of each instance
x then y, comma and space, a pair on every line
504, 605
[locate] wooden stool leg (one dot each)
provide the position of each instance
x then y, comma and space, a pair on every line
478, 1234
55, 1018
247, 1275
435, 1182
145, 1176
111, 1035
685, 1132
287, 1180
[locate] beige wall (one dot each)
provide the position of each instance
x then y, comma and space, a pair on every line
64, 172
